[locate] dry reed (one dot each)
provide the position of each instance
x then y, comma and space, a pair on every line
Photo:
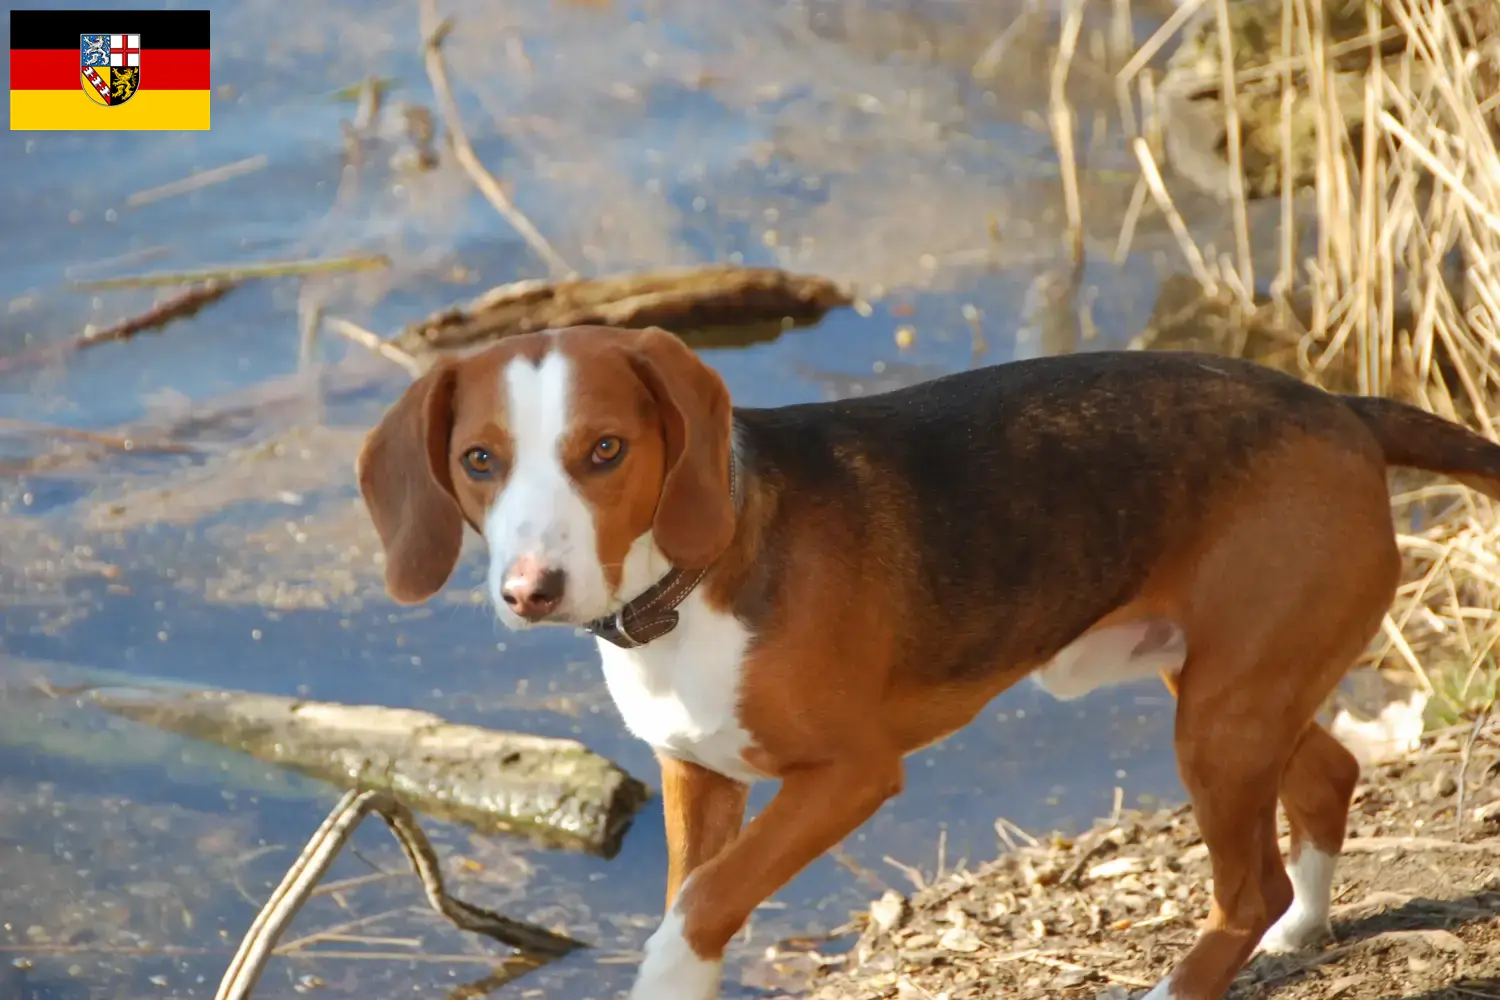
1394, 200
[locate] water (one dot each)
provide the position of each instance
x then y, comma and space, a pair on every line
849, 140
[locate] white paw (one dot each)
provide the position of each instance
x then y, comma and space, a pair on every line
671, 969
1305, 923
1297, 929
1161, 991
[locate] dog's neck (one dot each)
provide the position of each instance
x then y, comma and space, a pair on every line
653, 613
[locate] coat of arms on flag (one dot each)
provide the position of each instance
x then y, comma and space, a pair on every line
56, 52
111, 67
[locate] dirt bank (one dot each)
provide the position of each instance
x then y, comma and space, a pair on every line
1416, 905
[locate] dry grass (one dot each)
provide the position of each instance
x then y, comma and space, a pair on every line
1378, 301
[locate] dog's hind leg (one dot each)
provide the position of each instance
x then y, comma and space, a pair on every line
1270, 630
1316, 790
1237, 751
1233, 795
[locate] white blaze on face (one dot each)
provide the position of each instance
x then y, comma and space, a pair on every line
538, 513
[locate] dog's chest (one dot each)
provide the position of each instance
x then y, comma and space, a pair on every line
681, 693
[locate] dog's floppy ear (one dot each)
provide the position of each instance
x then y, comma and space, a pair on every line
405, 480
695, 516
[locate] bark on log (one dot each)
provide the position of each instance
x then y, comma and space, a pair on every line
555, 792
698, 304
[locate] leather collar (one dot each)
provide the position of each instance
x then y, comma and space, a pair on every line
653, 613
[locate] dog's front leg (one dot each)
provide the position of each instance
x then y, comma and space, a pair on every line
816, 807
703, 811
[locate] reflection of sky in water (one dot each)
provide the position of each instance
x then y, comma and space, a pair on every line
204, 829
1021, 759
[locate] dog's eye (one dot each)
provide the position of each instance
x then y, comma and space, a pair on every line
607, 451
478, 463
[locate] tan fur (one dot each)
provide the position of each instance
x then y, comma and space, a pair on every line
705, 814
405, 478
1278, 576
694, 519
645, 385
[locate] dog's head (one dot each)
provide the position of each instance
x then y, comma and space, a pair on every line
588, 458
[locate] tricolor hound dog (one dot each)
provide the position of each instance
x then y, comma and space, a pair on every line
810, 593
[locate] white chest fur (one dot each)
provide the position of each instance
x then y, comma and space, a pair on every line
681, 692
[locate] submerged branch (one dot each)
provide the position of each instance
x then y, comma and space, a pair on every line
239, 272
433, 34
537, 944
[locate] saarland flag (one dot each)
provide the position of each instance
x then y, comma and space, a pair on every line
117, 70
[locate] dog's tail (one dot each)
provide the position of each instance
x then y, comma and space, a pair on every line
1415, 439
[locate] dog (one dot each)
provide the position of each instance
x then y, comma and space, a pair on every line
810, 593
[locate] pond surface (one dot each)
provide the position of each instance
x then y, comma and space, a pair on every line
902, 146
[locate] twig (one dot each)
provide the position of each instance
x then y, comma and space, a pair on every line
101, 948
1463, 767
427, 958
1061, 118
1002, 822
113, 441
481, 988
250, 960
309, 322
353, 882
338, 931
1164, 203
913, 875
239, 272
1114, 977
465, 916
434, 32
180, 306
374, 342
1236, 165
198, 181
1407, 653
906, 984
859, 871
369, 939
1163, 34
1074, 873
1441, 171
75, 271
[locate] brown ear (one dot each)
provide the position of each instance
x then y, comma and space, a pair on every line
695, 517
405, 480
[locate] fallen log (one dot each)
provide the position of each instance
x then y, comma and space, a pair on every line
698, 304
554, 792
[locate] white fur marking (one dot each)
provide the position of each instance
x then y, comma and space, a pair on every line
671, 970
1305, 923
1162, 991
539, 513
680, 693
1115, 655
